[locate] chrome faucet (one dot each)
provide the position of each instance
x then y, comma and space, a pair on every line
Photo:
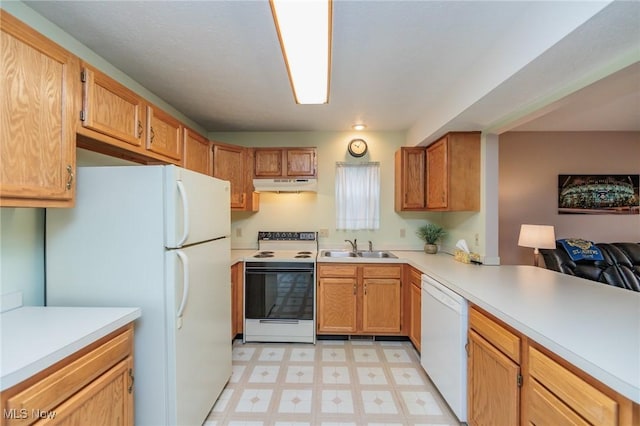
370, 246
354, 245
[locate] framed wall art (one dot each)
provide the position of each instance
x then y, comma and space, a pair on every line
598, 194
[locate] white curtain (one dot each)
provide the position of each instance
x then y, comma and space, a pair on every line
357, 196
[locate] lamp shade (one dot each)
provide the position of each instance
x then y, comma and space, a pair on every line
537, 236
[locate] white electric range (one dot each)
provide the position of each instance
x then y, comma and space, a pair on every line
279, 288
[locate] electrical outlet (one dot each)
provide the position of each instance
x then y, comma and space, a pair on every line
323, 233
238, 232
403, 232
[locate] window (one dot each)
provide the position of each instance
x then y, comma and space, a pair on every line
357, 196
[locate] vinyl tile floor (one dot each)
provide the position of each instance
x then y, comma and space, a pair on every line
332, 383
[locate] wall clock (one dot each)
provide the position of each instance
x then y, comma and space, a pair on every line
357, 147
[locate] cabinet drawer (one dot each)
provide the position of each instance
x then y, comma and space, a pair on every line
383, 271
546, 409
493, 332
337, 270
584, 399
49, 392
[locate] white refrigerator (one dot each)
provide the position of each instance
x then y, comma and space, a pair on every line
154, 237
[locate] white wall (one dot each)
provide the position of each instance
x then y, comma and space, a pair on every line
22, 253
530, 163
313, 212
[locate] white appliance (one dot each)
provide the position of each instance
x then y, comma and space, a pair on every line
285, 185
280, 288
443, 339
154, 237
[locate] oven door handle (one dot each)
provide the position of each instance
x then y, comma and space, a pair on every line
279, 321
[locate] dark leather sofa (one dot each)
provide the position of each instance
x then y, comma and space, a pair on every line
620, 267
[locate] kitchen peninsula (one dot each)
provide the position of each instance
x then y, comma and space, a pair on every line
591, 326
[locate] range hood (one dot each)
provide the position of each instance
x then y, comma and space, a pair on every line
285, 185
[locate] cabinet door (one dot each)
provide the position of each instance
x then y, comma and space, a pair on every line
493, 392
336, 305
107, 401
37, 115
164, 134
267, 163
228, 164
197, 152
416, 318
410, 188
381, 305
438, 175
301, 162
110, 108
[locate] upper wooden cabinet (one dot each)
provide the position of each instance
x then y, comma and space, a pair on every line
410, 187
111, 109
285, 162
453, 172
164, 134
233, 163
197, 152
38, 116
116, 121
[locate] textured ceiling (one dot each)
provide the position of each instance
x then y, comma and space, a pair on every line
421, 66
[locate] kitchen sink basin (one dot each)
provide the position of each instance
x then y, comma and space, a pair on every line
338, 253
377, 254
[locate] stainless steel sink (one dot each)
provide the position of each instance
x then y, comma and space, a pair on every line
338, 253
377, 254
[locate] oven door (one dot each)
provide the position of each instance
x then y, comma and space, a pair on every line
279, 290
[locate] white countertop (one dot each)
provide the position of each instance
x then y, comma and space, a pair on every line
36, 337
594, 326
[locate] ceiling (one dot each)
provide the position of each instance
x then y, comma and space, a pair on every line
424, 67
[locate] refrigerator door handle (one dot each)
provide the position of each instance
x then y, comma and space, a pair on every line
185, 285
185, 212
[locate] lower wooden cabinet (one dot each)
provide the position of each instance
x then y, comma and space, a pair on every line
359, 299
237, 299
493, 392
515, 381
413, 309
93, 386
493, 372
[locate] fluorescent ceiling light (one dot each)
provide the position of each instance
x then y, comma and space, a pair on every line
304, 30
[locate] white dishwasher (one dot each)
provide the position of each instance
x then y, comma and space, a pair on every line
443, 340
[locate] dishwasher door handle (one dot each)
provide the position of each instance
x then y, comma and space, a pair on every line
443, 298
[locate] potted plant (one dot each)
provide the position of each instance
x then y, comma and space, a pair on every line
430, 233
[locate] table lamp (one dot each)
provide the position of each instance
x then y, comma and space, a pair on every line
537, 237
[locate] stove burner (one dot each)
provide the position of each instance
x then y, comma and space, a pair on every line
264, 254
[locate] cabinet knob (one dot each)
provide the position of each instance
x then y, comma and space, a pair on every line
69, 177
139, 129
153, 134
